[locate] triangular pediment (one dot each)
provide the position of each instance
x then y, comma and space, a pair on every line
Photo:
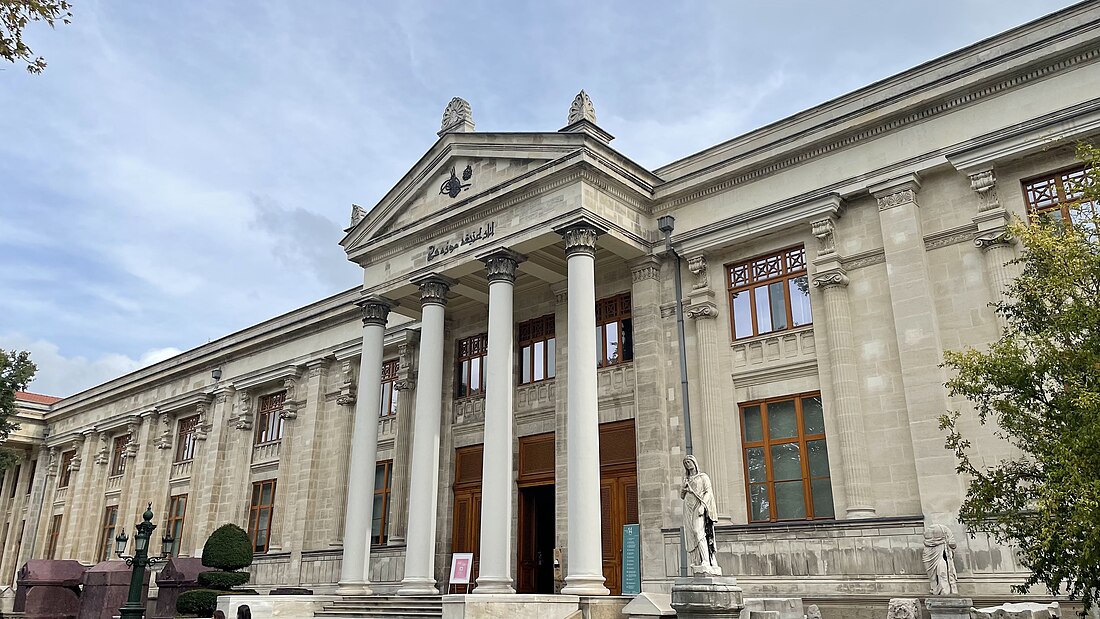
458, 169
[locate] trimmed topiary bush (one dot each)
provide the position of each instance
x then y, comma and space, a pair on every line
228, 548
222, 580
198, 602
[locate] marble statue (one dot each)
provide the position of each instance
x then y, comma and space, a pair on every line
939, 560
699, 516
903, 608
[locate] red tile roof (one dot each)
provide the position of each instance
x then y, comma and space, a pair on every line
37, 398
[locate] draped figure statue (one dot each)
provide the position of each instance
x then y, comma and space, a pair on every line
939, 560
700, 513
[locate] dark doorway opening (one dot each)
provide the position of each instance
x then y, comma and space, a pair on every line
536, 540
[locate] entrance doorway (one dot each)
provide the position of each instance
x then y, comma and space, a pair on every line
536, 542
618, 495
535, 547
466, 536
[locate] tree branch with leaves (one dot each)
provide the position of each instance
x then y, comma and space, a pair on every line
1038, 388
16, 15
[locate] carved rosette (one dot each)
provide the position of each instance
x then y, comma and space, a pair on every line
698, 267
827, 279
985, 183
458, 113
897, 198
824, 230
580, 240
434, 291
244, 411
582, 109
376, 311
702, 311
501, 266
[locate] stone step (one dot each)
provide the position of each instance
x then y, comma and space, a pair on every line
384, 607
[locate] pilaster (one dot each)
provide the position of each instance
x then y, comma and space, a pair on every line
41, 506
651, 422
992, 236
710, 419
340, 447
127, 506
920, 352
303, 419
407, 352
207, 485
290, 466
831, 278
82, 467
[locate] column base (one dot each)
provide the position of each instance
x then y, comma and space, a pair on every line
707, 597
353, 588
418, 586
585, 584
490, 584
855, 512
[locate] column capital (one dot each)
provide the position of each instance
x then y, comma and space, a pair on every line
825, 232
433, 288
704, 310
994, 239
698, 266
984, 183
580, 236
896, 191
830, 278
561, 292
375, 310
500, 264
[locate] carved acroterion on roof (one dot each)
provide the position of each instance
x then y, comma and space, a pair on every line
582, 109
457, 117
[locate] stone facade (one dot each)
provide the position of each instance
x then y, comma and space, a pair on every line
891, 200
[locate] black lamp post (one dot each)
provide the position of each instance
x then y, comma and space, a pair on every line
134, 608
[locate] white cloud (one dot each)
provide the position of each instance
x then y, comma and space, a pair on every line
61, 375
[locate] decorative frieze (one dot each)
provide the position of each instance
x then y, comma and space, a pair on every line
891, 200
698, 267
647, 267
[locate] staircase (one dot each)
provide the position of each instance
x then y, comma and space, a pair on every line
384, 607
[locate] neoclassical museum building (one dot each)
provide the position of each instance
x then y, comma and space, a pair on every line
507, 380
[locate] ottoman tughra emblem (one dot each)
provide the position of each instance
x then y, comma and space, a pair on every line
452, 186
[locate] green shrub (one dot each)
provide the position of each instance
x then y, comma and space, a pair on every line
228, 548
198, 602
222, 580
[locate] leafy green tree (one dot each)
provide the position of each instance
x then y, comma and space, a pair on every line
1038, 387
15, 15
16, 371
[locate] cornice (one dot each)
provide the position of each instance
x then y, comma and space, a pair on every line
803, 149
757, 222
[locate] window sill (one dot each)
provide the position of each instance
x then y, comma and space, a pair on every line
183, 461
535, 383
772, 334
266, 443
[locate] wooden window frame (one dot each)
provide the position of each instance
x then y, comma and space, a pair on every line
52, 535
175, 519
107, 531
64, 474
118, 455
741, 277
185, 438
269, 418
472, 349
384, 492
387, 406
529, 334
802, 439
615, 309
1063, 200
255, 510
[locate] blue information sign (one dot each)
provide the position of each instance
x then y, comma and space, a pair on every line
632, 559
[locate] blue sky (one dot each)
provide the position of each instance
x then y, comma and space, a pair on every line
183, 170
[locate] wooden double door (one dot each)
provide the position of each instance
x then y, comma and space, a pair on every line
537, 513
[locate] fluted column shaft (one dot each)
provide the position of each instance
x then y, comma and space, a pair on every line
495, 574
423, 493
354, 576
712, 433
838, 321
585, 563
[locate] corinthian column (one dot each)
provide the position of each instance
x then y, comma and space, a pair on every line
712, 432
831, 279
496, 489
354, 575
585, 563
423, 492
